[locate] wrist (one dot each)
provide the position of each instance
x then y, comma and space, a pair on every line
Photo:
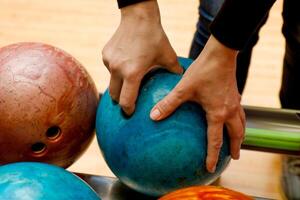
215, 51
216, 48
146, 11
216, 56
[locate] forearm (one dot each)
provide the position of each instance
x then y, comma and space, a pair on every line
238, 20
147, 12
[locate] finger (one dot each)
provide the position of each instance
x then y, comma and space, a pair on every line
173, 66
243, 117
235, 130
169, 61
115, 86
214, 144
244, 122
169, 103
105, 58
129, 95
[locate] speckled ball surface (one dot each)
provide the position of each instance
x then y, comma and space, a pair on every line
157, 157
38, 181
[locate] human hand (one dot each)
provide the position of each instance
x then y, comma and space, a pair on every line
138, 45
211, 82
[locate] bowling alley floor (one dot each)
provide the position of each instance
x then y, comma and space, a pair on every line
82, 28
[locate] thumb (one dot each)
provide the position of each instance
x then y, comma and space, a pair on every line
173, 66
168, 105
170, 62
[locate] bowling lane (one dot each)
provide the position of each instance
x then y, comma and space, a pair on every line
34, 20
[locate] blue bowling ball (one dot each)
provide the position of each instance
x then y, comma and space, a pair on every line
157, 157
38, 181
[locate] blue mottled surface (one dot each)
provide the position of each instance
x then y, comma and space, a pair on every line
156, 157
37, 181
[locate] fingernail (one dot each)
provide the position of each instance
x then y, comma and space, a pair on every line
155, 114
237, 156
212, 170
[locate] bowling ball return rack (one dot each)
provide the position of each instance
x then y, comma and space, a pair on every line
110, 188
267, 129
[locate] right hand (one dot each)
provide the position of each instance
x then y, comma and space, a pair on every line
138, 45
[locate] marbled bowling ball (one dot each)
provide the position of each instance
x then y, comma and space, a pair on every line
157, 157
205, 193
40, 181
48, 105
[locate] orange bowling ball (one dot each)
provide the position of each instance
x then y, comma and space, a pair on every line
205, 193
48, 105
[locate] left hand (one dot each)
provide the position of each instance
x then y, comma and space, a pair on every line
211, 82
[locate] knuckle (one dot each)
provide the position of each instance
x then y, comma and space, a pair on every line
180, 93
164, 106
240, 135
219, 116
104, 53
233, 108
113, 67
172, 60
132, 75
105, 60
217, 144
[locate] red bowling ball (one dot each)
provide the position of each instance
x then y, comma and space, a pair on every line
48, 105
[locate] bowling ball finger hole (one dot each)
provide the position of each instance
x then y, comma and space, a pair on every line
38, 148
53, 132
